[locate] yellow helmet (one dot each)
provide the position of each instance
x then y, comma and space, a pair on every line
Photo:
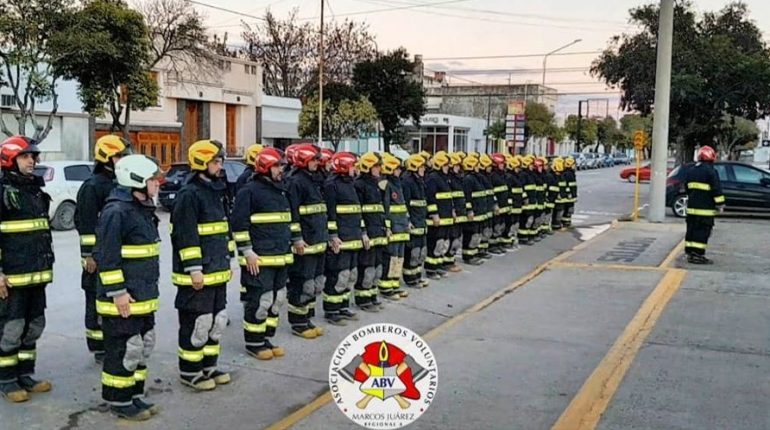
425, 155
558, 164
369, 160
251, 153
414, 162
439, 160
456, 158
109, 146
569, 162
473, 154
527, 160
512, 161
389, 163
485, 160
202, 152
470, 163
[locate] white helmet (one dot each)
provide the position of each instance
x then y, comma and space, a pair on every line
135, 170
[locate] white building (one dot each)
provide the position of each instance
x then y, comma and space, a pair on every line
279, 121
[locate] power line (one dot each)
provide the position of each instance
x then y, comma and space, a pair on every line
494, 57
219, 8
390, 9
515, 71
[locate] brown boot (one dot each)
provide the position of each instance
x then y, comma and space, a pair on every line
34, 386
13, 392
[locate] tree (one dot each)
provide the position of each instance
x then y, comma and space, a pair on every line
27, 60
345, 114
720, 66
588, 130
179, 37
736, 133
388, 84
540, 121
109, 34
608, 133
289, 52
497, 130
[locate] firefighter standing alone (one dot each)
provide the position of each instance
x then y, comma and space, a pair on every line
704, 201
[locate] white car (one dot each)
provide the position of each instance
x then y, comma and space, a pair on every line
62, 182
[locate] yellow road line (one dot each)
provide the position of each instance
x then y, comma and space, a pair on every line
305, 411
599, 266
586, 408
673, 255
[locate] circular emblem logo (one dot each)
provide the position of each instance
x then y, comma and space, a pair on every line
383, 376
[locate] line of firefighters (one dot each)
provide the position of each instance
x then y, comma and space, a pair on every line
307, 223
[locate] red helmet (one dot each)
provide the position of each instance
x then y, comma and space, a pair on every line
326, 156
498, 159
266, 159
290, 150
539, 162
13, 146
707, 153
304, 154
342, 162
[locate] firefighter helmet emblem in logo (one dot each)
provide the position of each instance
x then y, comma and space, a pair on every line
383, 376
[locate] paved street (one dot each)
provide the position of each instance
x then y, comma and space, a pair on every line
530, 340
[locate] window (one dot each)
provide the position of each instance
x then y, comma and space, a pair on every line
721, 171
460, 142
253, 70
246, 69
79, 172
6, 100
746, 175
433, 139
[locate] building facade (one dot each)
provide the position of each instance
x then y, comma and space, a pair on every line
279, 121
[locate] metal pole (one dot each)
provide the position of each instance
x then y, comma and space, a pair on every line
321, 81
489, 116
545, 58
657, 211
580, 120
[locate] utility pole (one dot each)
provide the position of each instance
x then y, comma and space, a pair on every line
489, 116
657, 211
321, 81
579, 123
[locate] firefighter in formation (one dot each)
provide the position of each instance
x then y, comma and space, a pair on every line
305, 223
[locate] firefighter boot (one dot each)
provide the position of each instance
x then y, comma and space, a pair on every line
34, 386
304, 331
348, 314
277, 351
319, 331
219, 377
131, 413
152, 408
198, 382
13, 392
334, 318
263, 353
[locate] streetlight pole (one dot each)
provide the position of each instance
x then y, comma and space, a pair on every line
662, 105
321, 82
545, 58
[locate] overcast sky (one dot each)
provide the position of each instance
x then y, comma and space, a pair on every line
462, 28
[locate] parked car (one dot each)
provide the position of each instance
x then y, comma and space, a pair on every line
62, 182
606, 160
746, 188
177, 172
592, 160
580, 160
621, 158
645, 171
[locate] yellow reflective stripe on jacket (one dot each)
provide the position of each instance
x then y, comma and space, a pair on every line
241, 236
112, 277
190, 253
445, 221
117, 381
140, 375
418, 203
9, 360
572, 184
698, 186
140, 251
505, 209
461, 219
270, 260
530, 187
215, 278
553, 188
446, 195
719, 200
24, 279
468, 205
489, 193
95, 334
477, 194
417, 231
295, 227
212, 350
191, 356
500, 188
270, 217
377, 241
458, 194
318, 248
517, 190
701, 212
24, 226
398, 209
209, 228
351, 245
28, 355
88, 239
255, 328
368, 209
331, 225
231, 246
137, 308
348, 209
317, 208
399, 237
697, 245
432, 208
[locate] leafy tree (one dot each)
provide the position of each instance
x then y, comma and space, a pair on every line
27, 62
540, 121
588, 130
720, 66
289, 51
388, 84
736, 133
496, 130
608, 133
345, 114
114, 55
